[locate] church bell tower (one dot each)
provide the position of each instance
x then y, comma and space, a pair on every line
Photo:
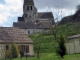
29, 11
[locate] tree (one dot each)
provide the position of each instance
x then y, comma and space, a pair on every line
38, 44
78, 7
77, 12
12, 52
61, 50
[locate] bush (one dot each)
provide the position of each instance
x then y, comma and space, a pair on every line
61, 50
12, 52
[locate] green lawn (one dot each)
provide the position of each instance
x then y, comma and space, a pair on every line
52, 56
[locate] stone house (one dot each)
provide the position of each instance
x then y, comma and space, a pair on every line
33, 21
73, 44
9, 35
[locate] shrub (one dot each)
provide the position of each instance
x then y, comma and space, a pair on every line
61, 50
12, 52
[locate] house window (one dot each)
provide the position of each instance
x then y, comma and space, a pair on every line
27, 7
28, 31
23, 47
7, 47
31, 7
27, 49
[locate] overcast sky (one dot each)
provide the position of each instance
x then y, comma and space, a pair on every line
11, 9
69, 4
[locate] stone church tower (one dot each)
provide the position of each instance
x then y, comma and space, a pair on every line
32, 21
29, 11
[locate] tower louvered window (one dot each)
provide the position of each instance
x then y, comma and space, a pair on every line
31, 7
27, 7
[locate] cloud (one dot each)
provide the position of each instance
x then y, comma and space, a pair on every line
68, 4
58, 13
60, 8
10, 10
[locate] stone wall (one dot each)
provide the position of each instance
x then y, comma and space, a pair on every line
33, 31
31, 14
3, 50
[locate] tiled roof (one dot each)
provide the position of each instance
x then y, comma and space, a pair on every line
16, 35
31, 25
28, 2
45, 15
74, 36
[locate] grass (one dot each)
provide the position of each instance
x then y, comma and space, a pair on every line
52, 56
48, 42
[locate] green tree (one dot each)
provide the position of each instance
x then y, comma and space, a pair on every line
78, 7
38, 44
77, 12
14, 51
61, 50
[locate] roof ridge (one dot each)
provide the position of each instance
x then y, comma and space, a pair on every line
44, 12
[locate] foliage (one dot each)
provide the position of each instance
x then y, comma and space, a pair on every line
48, 41
61, 50
12, 52
7, 54
78, 7
17, 49
51, 56
38, 46
75, 18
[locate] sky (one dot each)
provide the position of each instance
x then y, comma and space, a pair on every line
11, 9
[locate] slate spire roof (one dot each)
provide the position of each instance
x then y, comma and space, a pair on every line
45, 15
28, 2
14, 35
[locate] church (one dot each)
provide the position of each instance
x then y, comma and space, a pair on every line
33, 21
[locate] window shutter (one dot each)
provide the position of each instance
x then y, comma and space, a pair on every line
27, 49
